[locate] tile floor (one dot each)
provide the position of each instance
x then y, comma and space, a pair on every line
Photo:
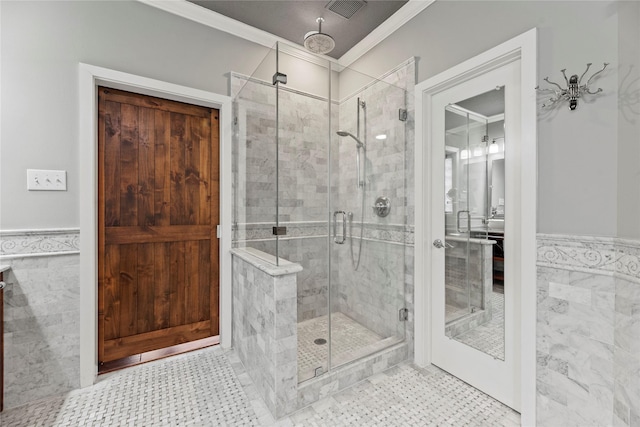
210, 387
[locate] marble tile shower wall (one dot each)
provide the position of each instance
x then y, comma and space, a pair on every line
254, 183
302, 181
588, 331
385, 159
313, 281
41, 333
374, 293
303, 158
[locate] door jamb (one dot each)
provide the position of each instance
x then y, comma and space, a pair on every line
523, 47
90, 77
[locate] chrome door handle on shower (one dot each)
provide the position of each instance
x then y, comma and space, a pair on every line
468, 221
335, 227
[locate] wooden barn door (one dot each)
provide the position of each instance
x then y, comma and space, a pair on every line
158, 207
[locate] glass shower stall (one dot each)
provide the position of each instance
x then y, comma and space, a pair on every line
319, 161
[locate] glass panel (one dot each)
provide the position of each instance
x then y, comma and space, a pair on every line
474, 218
303, 168
254, 158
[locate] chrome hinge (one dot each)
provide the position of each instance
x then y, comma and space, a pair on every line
218, 231
402, 115
279, 231
279, 78
403, 314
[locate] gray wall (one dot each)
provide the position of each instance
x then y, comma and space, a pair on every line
577, 150
42, 44
629, 120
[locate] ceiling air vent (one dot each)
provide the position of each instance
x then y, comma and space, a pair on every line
345, 8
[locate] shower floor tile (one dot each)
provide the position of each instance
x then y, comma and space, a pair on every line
211, 387
350, 341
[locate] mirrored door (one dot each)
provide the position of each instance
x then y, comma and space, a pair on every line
472, 321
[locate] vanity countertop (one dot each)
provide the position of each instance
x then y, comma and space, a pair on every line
4, 268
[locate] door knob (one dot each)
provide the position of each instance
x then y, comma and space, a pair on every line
440, 244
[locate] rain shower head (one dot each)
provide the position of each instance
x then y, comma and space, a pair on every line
318, 42
344, 133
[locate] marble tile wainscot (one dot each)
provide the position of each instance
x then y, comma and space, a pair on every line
588, 331
42, 312
3, 268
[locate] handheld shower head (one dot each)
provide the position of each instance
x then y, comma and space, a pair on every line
345, 133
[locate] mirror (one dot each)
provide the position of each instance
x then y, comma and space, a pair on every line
474, 220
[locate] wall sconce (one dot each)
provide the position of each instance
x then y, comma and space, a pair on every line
574, 90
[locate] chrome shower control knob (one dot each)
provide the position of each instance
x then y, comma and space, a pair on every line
382, 206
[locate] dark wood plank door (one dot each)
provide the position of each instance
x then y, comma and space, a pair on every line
158, 207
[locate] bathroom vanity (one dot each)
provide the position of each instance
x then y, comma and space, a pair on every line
498, 257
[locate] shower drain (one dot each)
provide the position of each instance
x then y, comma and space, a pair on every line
319, 341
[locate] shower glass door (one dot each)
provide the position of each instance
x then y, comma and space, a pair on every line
367, 216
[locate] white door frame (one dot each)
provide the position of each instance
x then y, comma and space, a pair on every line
90, 77
522, 47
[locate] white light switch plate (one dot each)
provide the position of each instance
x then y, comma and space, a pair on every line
46, 180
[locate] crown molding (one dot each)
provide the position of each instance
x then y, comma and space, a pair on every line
212, 19
384, 30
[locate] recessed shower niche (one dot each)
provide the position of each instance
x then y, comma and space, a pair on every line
319, 277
